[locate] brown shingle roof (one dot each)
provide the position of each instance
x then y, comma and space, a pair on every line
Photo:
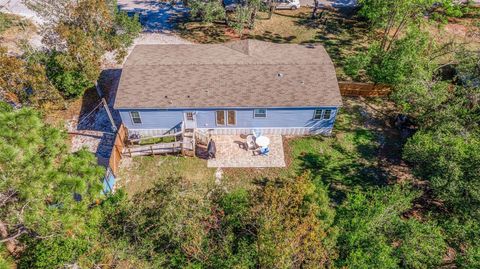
245, 73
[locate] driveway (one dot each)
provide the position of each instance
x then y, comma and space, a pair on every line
330, 3
155, 16
17, 7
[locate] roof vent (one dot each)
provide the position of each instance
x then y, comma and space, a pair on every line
279, 75
188, 96
166, 96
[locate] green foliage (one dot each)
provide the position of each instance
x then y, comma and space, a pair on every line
405, 59
207, 11
366, 222
5, 22
471, 259
374, 234
65, 77
384, 12
293, 228
242, 17
86, 29
451, 163
26, 79
423, 245
54, 253
50, 193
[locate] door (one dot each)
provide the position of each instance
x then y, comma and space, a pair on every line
226, 117
190, 119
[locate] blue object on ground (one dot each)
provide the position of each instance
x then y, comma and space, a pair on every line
264, 151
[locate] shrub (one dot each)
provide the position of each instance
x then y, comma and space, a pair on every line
54, 253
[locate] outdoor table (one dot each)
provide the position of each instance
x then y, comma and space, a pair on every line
262, 141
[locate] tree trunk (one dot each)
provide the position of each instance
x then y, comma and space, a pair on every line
271, 8
315, 9
252, 18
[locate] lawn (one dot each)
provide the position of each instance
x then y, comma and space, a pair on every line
340, 32
350, 158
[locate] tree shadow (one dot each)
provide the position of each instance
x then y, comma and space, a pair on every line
94, 125
156, 16
339, 29
272, 37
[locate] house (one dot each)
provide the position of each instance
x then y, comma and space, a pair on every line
232, 88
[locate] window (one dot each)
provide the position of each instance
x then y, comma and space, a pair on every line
260, 113
322, 114
220, 117
135, 115
327, 113
232, 117
318, 114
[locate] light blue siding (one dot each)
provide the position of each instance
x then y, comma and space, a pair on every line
276, 118
153, 119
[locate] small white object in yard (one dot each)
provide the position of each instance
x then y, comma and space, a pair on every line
218, 176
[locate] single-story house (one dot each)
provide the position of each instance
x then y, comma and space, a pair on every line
232, 88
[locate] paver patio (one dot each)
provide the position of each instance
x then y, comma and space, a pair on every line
231, 154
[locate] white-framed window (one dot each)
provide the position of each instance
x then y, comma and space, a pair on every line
322, 114
135, 115
260, 113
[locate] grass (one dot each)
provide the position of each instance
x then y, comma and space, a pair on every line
340, 32
155, 140
346, 160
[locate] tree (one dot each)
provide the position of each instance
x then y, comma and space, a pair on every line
294, 225
393, 16
410, 58
27, 80
452, 165
423, 245
373, 233
45, 192
78, 33
207, 11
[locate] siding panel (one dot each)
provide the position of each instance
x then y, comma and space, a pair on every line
290, 121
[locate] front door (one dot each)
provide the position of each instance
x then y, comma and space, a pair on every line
190, 119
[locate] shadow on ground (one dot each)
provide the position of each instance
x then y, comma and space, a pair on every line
155, 16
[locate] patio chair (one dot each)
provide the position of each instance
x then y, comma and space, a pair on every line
250, 143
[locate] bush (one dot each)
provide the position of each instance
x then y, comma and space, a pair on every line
423, 245
71, 84
54, 253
